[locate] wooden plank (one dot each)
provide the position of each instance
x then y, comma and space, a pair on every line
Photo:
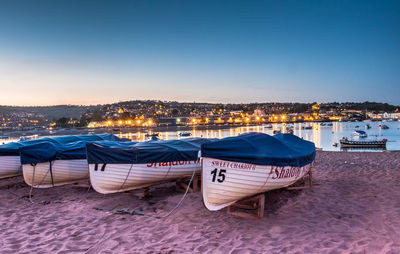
256, 202
146, 192
309, 186
182, 184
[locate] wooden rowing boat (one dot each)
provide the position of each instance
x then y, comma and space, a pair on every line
112, 178
62, 172
10, 166
235, 168
57, 162
225, 182
116, 167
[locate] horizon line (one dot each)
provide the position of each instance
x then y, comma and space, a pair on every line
197, 102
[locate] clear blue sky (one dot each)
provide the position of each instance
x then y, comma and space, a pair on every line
89, 52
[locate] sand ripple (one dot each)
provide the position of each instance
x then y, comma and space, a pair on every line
354, 207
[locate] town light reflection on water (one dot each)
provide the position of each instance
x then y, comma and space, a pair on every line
314, 135
323, 135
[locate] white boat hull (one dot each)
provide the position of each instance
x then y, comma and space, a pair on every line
10, 166
64, 172
124, 177
225, 182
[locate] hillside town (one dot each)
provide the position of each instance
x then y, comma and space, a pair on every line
161, 113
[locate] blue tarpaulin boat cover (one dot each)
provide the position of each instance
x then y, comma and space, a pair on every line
144, 152
45, 152
262, 149
12, 149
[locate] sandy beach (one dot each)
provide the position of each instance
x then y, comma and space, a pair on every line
353, 207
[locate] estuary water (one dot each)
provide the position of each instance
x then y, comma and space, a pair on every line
322, 134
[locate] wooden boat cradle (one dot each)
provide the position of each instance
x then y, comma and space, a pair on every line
257, 202
180, 185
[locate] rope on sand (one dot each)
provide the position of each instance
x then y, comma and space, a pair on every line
33, 182
183, 197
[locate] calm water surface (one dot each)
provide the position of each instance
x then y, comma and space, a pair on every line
322, 135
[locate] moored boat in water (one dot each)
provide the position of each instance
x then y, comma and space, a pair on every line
151, 135
345, 143
277, 131
238, 167
360, 133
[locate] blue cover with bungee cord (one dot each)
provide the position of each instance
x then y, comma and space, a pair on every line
45, 152
262, 149
145, 152
12, 148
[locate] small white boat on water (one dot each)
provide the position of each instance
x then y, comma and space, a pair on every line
117, 167
151, 135
238, 167
49, 164
277, 131
26, 138
360, 133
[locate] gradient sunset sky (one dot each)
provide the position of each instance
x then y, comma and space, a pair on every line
90, 52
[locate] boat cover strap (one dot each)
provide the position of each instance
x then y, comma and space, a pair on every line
51, 173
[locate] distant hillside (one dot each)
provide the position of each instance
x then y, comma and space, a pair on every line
367, 105
50, 112
156, 109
